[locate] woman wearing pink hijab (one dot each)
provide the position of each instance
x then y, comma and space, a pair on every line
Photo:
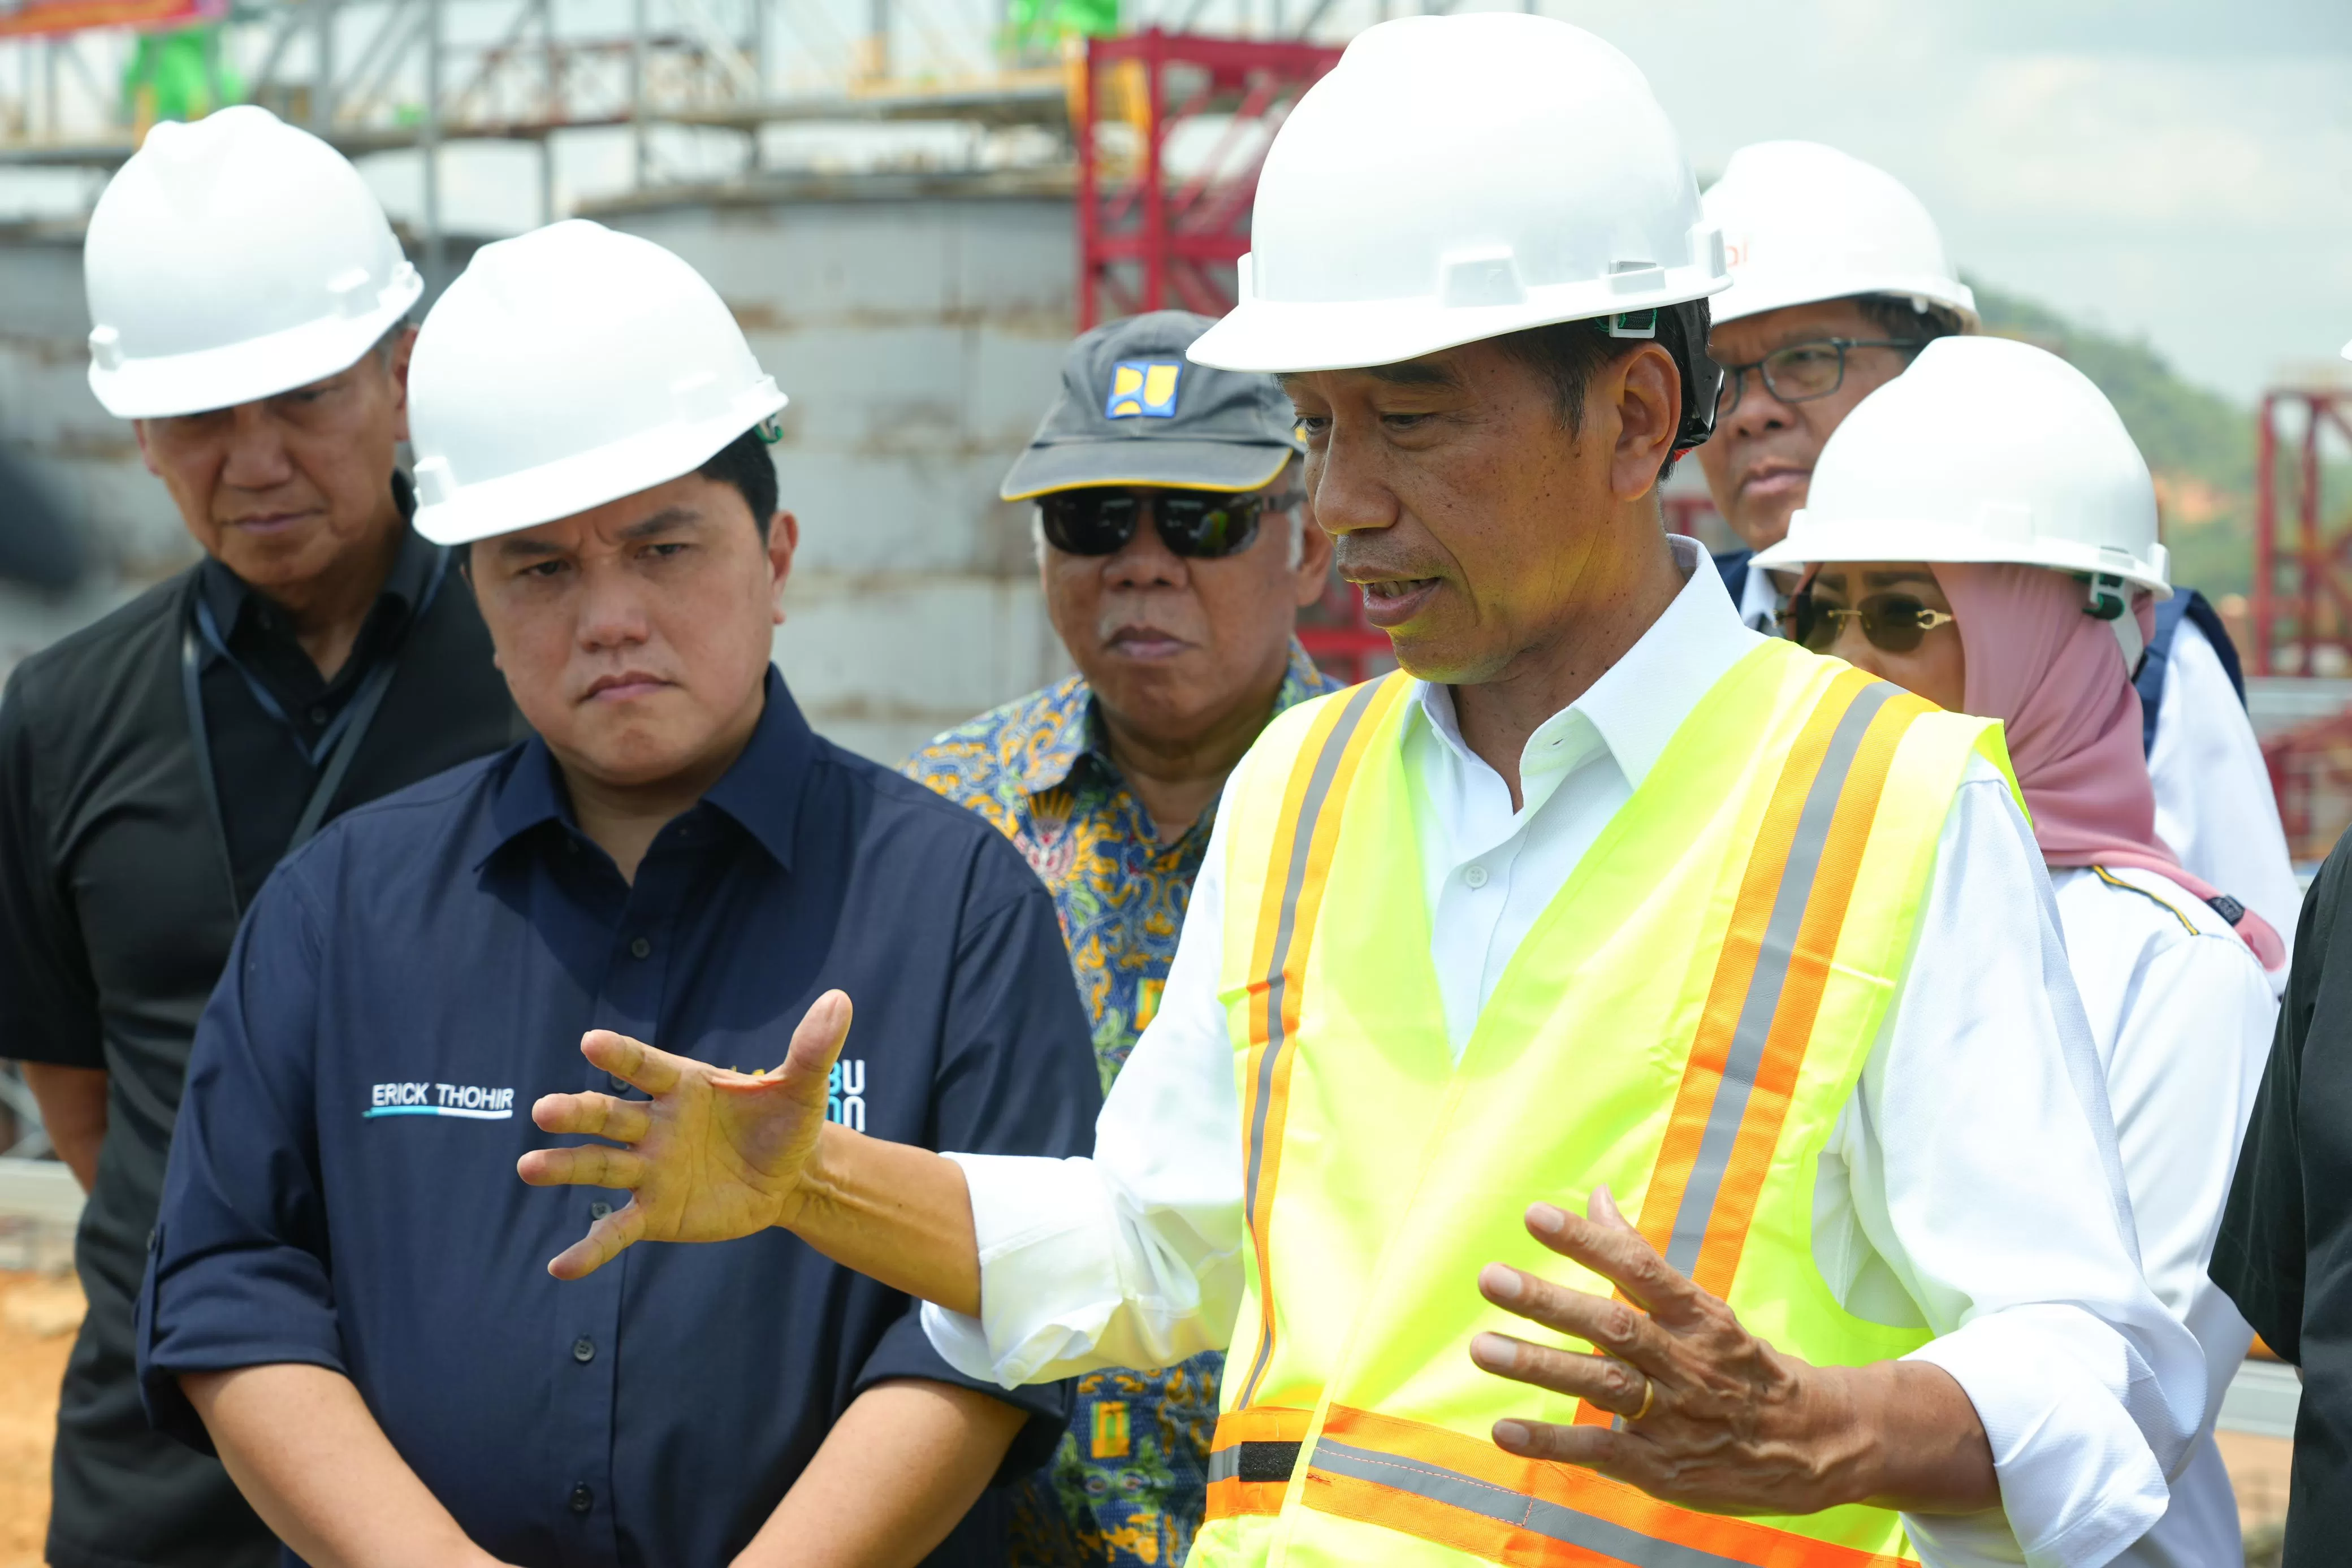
1982, 532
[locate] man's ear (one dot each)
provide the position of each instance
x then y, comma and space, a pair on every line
784, 538
1644, 392
403, 346
146, 454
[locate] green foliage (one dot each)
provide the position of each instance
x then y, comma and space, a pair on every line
2199, 444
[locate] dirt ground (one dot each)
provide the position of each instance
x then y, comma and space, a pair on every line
39, 1312
38, 1316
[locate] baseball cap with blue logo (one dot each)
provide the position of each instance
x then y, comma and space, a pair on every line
1134, 410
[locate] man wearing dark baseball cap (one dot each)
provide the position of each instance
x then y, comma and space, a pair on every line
1176, 556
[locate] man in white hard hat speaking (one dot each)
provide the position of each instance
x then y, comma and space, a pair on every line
1839, 279
1613, 976
340, 1298
249, 307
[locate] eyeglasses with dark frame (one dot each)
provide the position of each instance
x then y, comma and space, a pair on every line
1894, 622
1198, 525
1800, 372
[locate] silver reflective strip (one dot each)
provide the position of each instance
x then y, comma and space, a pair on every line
1302, 832
1532, 1514
1771, 974
1226, 1464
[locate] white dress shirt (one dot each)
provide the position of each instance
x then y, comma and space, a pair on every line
2214, 808
1973, 1184
2181, 1014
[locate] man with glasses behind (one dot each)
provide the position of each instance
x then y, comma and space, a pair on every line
1175, 557
1838, 278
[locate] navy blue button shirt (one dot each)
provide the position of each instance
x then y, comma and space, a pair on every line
342, 1192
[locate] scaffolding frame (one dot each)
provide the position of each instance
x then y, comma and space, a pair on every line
1149, 239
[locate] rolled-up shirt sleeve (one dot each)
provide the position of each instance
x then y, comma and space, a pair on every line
1131, 1257
1983, 1166
237, 1266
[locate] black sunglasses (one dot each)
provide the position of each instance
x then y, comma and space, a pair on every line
1200, 525
1894, 622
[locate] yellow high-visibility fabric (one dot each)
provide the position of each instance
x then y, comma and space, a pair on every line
1684, 1024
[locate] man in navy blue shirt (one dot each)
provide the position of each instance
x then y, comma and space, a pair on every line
343, 1294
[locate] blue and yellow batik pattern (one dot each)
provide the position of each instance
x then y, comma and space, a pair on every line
1128, 1483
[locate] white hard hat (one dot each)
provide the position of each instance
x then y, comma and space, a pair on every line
1803, 223
231, 259
1455, 178
1987, 450
570, 367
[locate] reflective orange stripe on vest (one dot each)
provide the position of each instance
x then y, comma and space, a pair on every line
1465, 1493
1251, 1459
1299, 866
1768, 983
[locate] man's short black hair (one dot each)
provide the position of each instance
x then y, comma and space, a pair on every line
744, 463
1568, 354
1897, 319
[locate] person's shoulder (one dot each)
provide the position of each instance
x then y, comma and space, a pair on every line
2146, 910
974, 753
83, 663
402, 829
910, 800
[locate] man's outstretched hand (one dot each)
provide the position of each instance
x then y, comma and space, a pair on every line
714, 1154
1711, 1416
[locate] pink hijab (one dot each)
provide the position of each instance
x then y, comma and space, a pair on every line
2055, 679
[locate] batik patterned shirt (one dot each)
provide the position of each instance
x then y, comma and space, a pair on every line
1129, 1481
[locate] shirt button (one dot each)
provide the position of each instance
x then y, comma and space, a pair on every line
640, 949
584, 1350
1475, 874
620, 1085
318, 715
599, 1210
582, 1500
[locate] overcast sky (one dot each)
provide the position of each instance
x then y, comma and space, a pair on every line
2181, 168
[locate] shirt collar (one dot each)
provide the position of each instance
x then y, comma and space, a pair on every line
1639, 701
761, 790
1060, 729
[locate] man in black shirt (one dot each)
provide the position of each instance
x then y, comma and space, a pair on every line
2285, 1252
250, 302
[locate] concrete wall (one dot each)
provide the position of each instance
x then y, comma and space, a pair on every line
918, 324
83, 456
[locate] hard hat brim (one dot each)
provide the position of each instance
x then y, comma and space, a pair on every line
1227, 466
1750, 296
1823, 541
165, 386
1284, 337
452, 512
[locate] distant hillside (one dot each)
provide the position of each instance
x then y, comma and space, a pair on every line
2199, 444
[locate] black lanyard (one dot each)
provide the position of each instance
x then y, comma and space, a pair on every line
335, 747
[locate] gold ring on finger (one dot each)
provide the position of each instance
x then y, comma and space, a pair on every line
1649, 1397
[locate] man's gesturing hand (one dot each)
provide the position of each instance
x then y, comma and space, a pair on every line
715, 1154
1716, 1418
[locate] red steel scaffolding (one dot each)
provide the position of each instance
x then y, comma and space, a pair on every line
1149, 239
2303, 626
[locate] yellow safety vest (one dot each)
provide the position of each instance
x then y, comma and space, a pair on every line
1683, 1023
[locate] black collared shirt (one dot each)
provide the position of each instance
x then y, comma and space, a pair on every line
2285, 1251
116, 917
342, 1192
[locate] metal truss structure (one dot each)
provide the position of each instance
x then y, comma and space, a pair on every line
2302, 607
1154, 234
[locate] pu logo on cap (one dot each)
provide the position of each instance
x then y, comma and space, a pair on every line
1143, 389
